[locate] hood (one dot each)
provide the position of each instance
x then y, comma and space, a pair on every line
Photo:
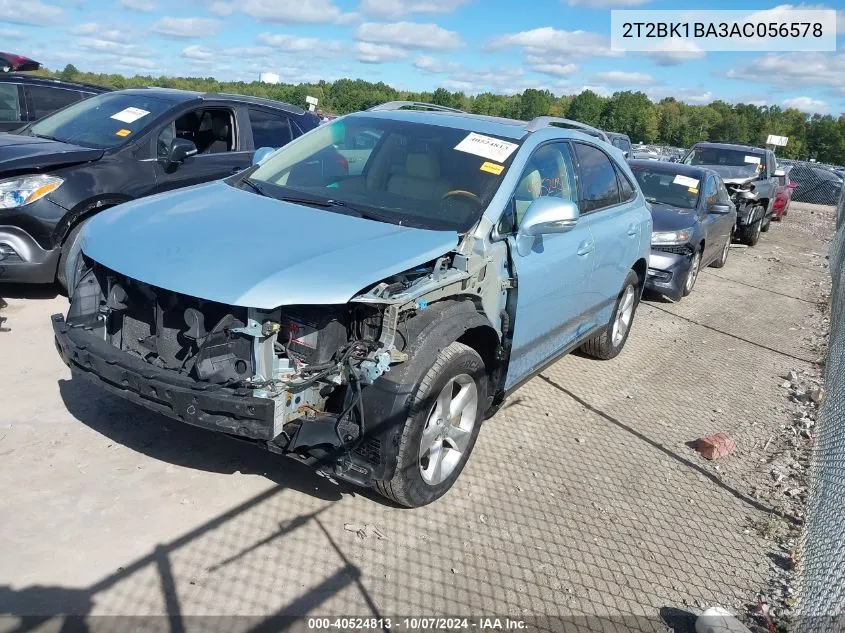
669, 218
223, 244
732, 173
30, 152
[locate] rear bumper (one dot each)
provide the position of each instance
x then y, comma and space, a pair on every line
163, 391
22, 260
667, 273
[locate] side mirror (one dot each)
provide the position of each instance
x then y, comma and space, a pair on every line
780, 173
549, 215
261, 153
181, 149
719, 209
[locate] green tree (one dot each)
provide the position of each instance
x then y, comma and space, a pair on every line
587, 108
534, 103
70, 71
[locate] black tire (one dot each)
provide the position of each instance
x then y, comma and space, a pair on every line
67, 251
766, 225
692, 273
723, 256
408, 487
601, 345
750, 233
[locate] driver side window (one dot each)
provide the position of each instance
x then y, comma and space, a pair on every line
211, 130
549, 173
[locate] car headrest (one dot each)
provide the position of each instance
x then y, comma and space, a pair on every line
530, 186
423, 166
220, 127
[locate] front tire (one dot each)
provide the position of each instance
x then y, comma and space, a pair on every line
610, 342
441, 429
750, 233
692, 273
723, 256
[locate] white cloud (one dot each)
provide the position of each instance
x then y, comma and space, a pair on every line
10, 33
247, 52
807, 104
35, 13
370, 53
143, 6
607, 4
502, 80
694, 96
392, 9
222, 8
824, 70
674, 51
198, 53
136, 63
296, 11
552, 68
623, 79
92, 29
295, 44
602, 91
186, 27
549, 43
412, 35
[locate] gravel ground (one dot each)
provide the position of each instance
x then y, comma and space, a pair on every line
585, 499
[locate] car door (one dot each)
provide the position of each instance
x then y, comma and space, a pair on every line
221, 149
553, 273
12, 111
614, 221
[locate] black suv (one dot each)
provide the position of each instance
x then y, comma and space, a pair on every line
25, 98
117, 146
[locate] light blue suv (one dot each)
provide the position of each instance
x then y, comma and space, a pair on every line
364, 297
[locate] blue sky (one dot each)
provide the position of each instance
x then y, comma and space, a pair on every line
471, 45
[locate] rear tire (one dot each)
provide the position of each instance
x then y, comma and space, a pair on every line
610, 342
441, 429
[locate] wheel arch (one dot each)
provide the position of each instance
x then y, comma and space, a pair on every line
85, 210
641, 268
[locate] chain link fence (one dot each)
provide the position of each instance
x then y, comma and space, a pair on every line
822, 602
812, 183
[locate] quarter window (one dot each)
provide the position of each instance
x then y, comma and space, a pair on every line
710, 193
47, 100
599, 188
269, 130
10, 105
626, 189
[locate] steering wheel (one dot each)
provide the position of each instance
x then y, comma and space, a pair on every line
463, 194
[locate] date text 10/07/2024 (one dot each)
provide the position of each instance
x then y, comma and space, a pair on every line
416, 624
660, 30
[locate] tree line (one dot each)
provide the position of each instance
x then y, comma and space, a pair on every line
667, 122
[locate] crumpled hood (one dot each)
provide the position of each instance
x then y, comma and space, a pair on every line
30, 152
224, 244
668, 218
732, 173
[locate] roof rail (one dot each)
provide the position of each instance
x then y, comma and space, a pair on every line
549, 121
399, 105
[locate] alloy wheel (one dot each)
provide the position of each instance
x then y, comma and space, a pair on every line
624, 315
692, 275
447, 432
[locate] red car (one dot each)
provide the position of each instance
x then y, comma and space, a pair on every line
12, 63
782, 196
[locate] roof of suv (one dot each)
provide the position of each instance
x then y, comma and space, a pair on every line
37, 80
182, 96
739, 146
497, 126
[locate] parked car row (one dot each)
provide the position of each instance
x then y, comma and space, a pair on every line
362, 298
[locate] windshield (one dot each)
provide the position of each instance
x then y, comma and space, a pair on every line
661, 187
746, 161
102, 122
414, 174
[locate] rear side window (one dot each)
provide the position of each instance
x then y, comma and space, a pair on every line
599, 187
10, 105
626, 189
269, 130
46, 100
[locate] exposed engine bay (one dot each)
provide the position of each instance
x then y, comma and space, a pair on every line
313, 362
744, 195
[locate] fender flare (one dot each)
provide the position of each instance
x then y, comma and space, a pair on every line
389, 398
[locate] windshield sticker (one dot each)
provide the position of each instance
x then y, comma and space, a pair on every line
752, 159
486, 147
692, 190
686, 181
130, 115
123, 132
492, 168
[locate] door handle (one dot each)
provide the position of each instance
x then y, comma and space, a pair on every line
585, 248
633, 229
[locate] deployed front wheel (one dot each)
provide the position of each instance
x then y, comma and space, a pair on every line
441, 428
610, 342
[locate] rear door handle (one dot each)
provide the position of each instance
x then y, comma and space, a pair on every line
585, 248
633, 229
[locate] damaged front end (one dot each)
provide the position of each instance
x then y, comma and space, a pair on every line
744, 195
291, 378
